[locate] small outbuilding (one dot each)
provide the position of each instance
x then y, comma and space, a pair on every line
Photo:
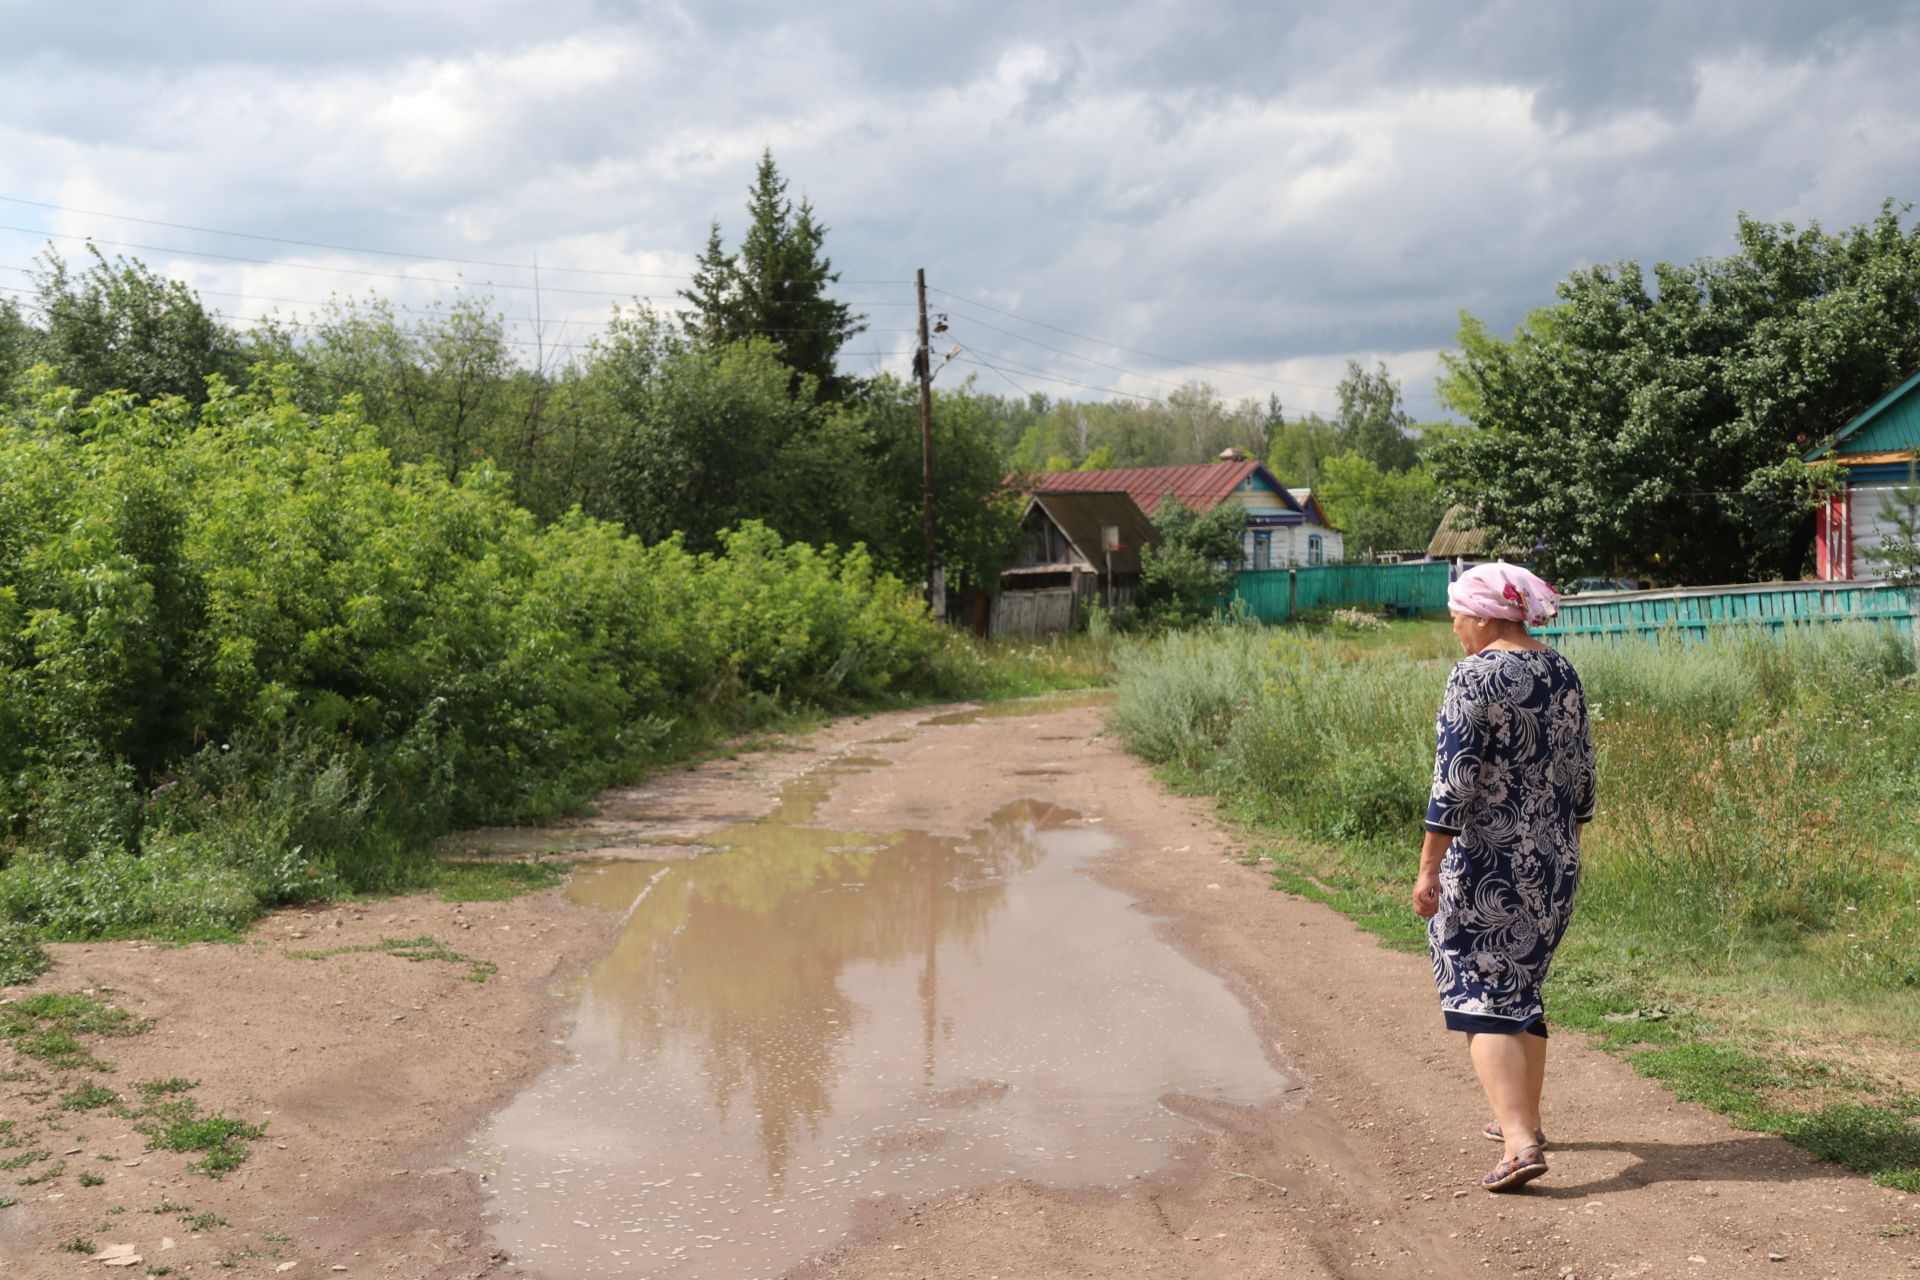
1876, 452
1075, 550
1457, 539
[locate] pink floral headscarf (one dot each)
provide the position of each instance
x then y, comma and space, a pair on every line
1503, 591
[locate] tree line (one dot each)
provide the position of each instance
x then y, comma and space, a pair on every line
1648, 423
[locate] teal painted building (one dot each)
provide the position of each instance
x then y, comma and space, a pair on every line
1877, 451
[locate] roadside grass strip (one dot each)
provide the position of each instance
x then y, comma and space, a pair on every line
1748, 931
414, 949
491, 880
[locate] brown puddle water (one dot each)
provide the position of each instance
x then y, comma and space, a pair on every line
814, 1017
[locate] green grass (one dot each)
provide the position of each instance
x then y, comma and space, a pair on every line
58, 1169
88, 1178
1748, 931
180, 1125
79, 1244
154, 1090
488, 880
48, 1027
414, 949
89, 1096
22, 958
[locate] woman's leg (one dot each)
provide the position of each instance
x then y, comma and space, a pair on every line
1508, 1075
1536, 1051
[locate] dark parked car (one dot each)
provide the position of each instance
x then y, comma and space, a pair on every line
1583, 586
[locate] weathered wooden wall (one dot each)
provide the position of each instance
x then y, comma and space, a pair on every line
1022, 615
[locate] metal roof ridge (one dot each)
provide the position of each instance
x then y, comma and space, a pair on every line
1863, 417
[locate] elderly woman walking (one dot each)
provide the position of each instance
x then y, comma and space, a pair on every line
1513, 783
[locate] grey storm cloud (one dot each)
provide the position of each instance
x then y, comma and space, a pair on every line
1268, 187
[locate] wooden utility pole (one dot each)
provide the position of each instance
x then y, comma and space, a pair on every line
923, 367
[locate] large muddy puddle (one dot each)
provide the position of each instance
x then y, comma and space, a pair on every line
806, 1018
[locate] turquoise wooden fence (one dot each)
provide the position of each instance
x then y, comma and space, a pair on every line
1697, 610
1276, 595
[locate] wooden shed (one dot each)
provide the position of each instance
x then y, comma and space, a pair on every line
1456, 539
1074, 550
1877, 451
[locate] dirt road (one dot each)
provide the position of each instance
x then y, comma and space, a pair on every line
374, 1075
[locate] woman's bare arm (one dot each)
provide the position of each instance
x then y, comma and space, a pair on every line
1426, 887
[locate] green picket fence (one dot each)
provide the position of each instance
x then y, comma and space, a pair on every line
1276, 595
1697, 610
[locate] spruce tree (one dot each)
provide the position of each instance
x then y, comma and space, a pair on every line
775, 286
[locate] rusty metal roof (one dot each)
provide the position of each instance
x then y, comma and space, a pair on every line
1201, 487
1084, 517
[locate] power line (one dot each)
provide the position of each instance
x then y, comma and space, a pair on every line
428, 311
1037, 372
1070, 354
395, 275
1134, 351
386, 253
1072, 382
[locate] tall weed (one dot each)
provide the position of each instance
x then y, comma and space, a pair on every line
1757, 790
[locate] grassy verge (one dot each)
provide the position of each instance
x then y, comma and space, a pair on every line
1749, 924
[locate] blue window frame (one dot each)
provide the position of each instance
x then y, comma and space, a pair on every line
1263, 550
1316, 549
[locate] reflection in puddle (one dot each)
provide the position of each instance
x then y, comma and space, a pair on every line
818, 1016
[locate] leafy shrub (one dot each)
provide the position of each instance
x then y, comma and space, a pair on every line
22, 958
247, 659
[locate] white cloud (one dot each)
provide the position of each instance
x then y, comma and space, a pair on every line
1255, 187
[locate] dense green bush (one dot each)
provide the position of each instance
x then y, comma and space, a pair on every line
246, 658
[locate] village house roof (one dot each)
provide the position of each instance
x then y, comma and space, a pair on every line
1452, 540
1311, 505
1886, 431
1200, 488
1084, 519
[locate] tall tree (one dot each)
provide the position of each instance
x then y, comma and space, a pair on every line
437, 384
1372, 421
775, 287
1653, 422
118, 326
20, 344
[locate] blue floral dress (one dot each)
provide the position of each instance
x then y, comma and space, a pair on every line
1512, 778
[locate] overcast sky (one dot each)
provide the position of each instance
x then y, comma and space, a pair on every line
1266, 188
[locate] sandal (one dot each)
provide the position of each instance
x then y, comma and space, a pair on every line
1491, 1131
1517, 1172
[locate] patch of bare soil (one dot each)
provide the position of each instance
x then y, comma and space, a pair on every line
371, 1071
